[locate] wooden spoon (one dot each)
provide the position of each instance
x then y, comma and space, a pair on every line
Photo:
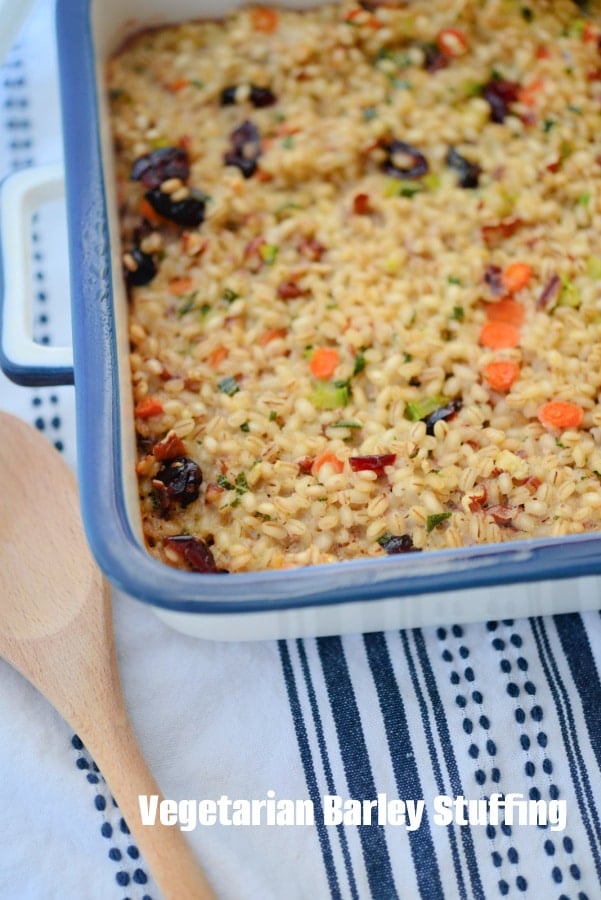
56, 630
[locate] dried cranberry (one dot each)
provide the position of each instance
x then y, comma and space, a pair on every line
258, 96
469, 172
195, 552
159, 165
434, 60
549, 291
499, 94
305, 465
493, 278
178, 480
443, 412
261, 96
374, 463
245, 148
397, 543
289, 290
494, 234
228, 95
503, 515
139, 268
189, 212
404, 161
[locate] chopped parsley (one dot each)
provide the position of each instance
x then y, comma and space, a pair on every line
228, 385
435, 520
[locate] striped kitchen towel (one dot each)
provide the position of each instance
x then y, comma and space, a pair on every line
453, 762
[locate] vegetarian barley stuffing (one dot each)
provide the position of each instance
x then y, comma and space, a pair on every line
362, 250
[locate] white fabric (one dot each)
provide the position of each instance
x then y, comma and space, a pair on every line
477, 709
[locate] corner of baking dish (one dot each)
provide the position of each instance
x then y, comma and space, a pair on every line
102, 396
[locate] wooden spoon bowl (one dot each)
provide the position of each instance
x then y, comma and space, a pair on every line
56, 630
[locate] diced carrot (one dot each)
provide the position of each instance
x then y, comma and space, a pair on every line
361, 17
499, 335
324, 361
179, 286
528, 92
361, 204
264, 19
542, 52
516, 276
178, 84
148, 407
272, 335
501, 374
263, 176
560, 414
506, 310
148, 212
589, 33
217, 356
329, 459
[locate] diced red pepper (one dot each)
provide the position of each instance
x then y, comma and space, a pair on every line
452, 42
170, 447
375, 463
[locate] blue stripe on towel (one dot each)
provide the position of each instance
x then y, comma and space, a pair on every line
403, 762
577, 649
577, 766
356, 763
440, 784
310, 777
437, 708
323, 750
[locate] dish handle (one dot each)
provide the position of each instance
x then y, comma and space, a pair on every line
22, 359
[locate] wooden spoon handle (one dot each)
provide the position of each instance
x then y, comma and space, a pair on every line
164, 847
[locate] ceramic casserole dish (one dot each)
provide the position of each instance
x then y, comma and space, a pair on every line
478, 582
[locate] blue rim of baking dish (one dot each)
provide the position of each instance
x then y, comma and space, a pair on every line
126, 563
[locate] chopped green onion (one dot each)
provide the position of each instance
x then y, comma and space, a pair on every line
569, 294
359, 363
593, 267
224, 483
458, 314
188, 304
431, 181
421, 409
268, 253
229, 295
245, 426
330, 394
241, 483
435, 520
346, 423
